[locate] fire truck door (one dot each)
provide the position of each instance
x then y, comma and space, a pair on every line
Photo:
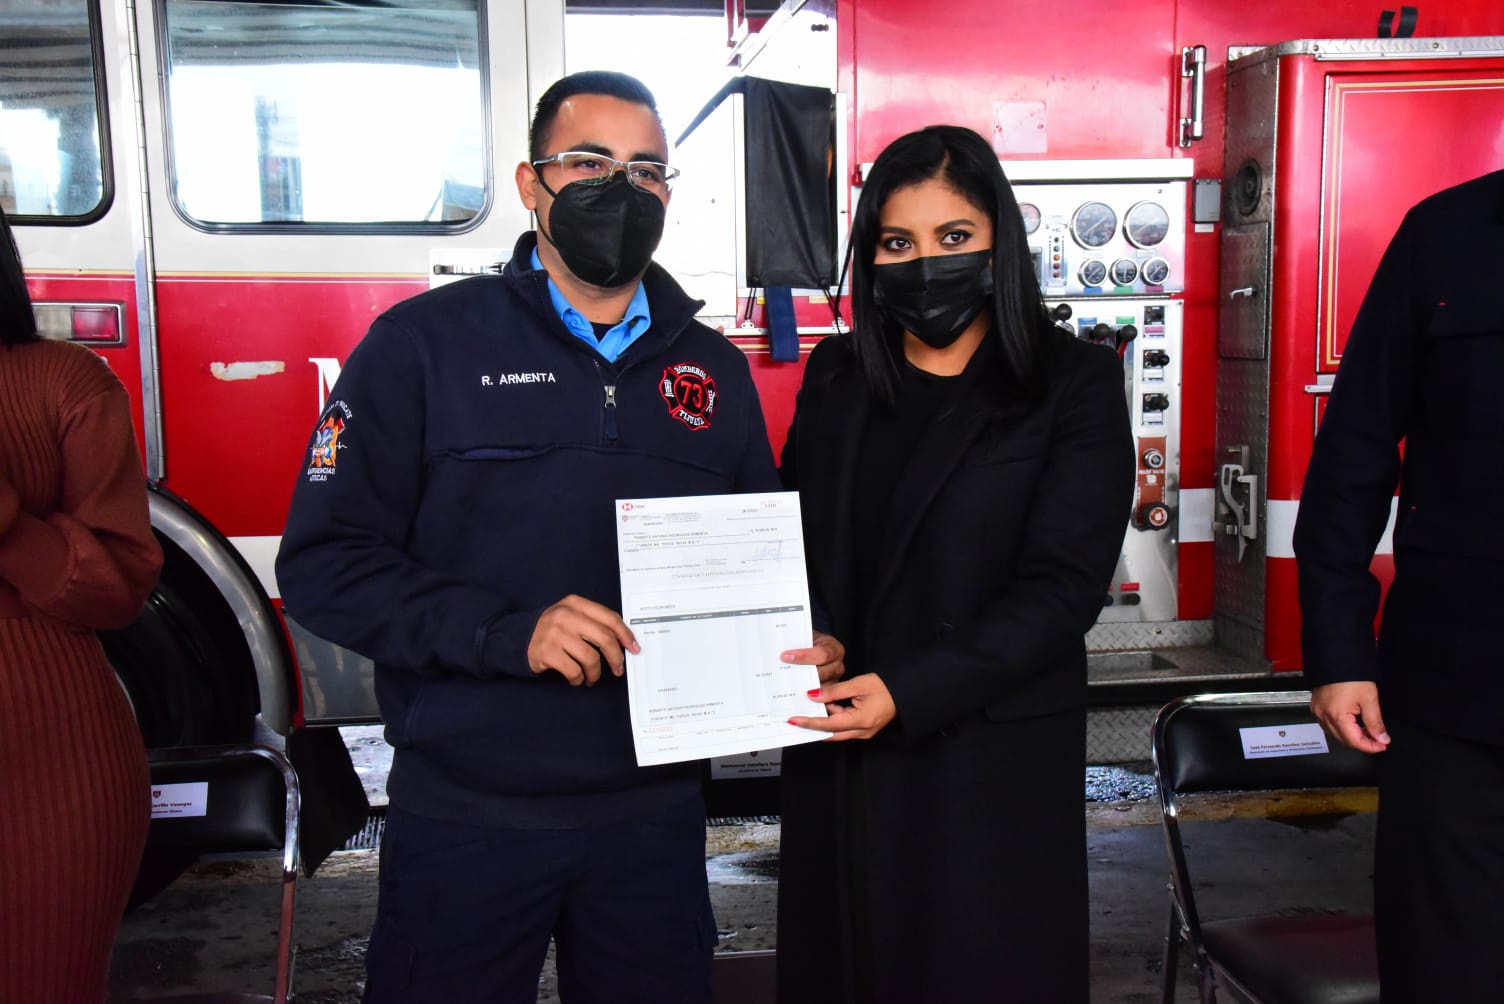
1445, 121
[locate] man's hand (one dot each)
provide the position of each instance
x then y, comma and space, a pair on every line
1350, 712
828, 655
576, 637
871, 708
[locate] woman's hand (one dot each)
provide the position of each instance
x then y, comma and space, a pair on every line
871, 708
827, 654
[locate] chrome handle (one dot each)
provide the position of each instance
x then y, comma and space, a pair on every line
1247, 291
1193, 65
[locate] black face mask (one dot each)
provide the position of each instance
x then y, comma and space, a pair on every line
605, 233
936, 296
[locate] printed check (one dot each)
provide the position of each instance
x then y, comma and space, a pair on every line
714, 588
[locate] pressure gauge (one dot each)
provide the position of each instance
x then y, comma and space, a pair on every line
1093, 224
1124, 271
1147, 224
1155, 271
1030, 213
1092, 272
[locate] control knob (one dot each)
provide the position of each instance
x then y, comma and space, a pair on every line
1154, 458
1154, 516
1126, 334
1156, 359
1061, 313
1156, 402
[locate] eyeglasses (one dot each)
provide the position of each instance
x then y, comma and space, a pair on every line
597, 169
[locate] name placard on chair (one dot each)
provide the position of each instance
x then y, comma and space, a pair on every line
189, 798
1302, 739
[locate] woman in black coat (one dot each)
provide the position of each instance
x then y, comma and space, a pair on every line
966, 472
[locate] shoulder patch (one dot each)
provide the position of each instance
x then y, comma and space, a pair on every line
689, 392
324, 447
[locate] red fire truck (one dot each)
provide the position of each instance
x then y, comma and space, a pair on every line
220, 195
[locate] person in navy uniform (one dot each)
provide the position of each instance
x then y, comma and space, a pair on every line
1416, 404
460, 530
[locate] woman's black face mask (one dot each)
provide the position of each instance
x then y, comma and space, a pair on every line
606, 233
936, 296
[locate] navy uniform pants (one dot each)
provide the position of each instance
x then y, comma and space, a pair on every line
1439, 868
465, 913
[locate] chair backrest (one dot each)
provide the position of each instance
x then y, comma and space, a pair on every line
1199, 745
744, 977
252, 795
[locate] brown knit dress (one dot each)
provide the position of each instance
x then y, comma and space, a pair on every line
76, 554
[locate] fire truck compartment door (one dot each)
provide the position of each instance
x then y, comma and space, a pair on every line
1243, 328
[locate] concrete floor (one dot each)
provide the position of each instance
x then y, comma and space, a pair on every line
214, 928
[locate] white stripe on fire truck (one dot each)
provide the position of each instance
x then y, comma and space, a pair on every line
1280, 541
1197, 525
1197, 515
261, 554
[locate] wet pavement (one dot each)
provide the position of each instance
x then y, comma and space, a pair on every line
214, 929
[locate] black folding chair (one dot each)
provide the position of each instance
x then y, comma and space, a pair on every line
744, 977
252, 804
1287, 957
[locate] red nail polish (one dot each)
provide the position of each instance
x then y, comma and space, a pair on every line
814, 693
793, 721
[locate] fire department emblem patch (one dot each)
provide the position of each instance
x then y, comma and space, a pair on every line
689, 393
324, 447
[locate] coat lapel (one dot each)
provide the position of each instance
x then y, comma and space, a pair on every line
826, 483
835, 459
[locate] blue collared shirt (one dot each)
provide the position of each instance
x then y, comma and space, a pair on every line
615, 341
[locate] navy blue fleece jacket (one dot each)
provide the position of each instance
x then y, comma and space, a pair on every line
461, 480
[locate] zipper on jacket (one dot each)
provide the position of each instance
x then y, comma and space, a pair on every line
610, 405
611, 411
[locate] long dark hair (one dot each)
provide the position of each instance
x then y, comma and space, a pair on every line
964, 161
17, 323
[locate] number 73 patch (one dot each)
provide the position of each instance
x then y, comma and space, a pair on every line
689, 393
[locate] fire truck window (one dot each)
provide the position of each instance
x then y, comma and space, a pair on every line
50, 161
337, 115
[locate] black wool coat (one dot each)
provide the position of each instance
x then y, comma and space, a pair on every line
945, 858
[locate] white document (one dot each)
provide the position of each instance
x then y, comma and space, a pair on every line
714, 588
